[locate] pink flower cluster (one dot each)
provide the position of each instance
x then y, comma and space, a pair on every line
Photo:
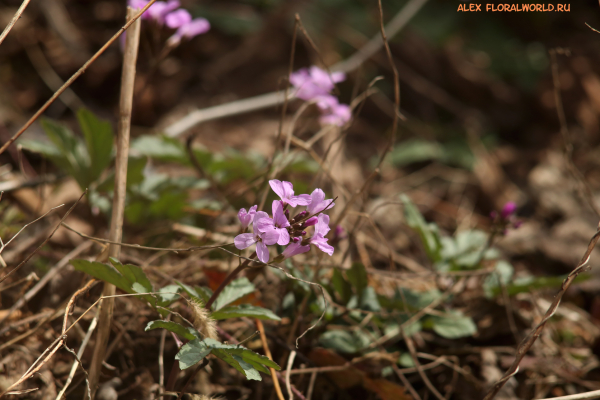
314, 84
284, 230
166, 13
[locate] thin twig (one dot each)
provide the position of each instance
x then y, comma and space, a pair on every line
74, 77
288, 384
137, 246
3, 245
78, 356
580, 396
46, 278
536, 332
45, 241
422, 374
13, 21
203, 364
118, 209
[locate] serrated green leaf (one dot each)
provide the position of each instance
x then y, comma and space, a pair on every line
98, 136
244, 310
237, 289
193, 352
186, 332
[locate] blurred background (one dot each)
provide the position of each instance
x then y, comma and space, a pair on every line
480, 127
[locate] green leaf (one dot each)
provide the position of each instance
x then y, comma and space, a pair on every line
98, 136
103, 272
416, 150
245, 310
186, 332
341, 285
242, 359
428, 232
168, 295
345, 341
72, 150
453, 326
133, 273
160, 148
503, 273
235, 290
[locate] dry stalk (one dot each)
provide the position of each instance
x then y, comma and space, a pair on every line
116, 222
535, 333
263, 338
14, 20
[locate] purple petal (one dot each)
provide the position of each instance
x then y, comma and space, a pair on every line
244, 240
338, 77
265, 224
288, 189
322, 245
277, 187
270, 236
301, 200
279, 218
178, 18
196, 27
508, 209
244, 218
294, 249
322, 226
284, 237
257, 218
317, 196
262, 252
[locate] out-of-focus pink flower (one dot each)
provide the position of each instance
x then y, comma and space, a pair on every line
262, 239
314, 82
285, 191
332, 112
178, 18
318, 202
279, 223
157, 11
193, 28
246, 218
321, 229
295, 248
508, 209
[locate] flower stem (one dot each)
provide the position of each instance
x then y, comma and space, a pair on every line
228, 280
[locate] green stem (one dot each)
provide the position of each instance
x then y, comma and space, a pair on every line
228, 280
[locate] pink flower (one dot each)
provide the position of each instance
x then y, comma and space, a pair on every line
314, 82
262, 239
157, 11
333, 113
279, 223
321, 229
295, 248
246, 218
318, 202
310, 222
285, 191
178, 18
188, 30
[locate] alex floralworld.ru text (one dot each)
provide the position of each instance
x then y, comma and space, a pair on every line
533, 7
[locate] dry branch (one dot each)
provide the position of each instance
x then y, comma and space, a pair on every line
535, 333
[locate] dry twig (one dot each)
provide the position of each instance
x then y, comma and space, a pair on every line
535, 333
13, 21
